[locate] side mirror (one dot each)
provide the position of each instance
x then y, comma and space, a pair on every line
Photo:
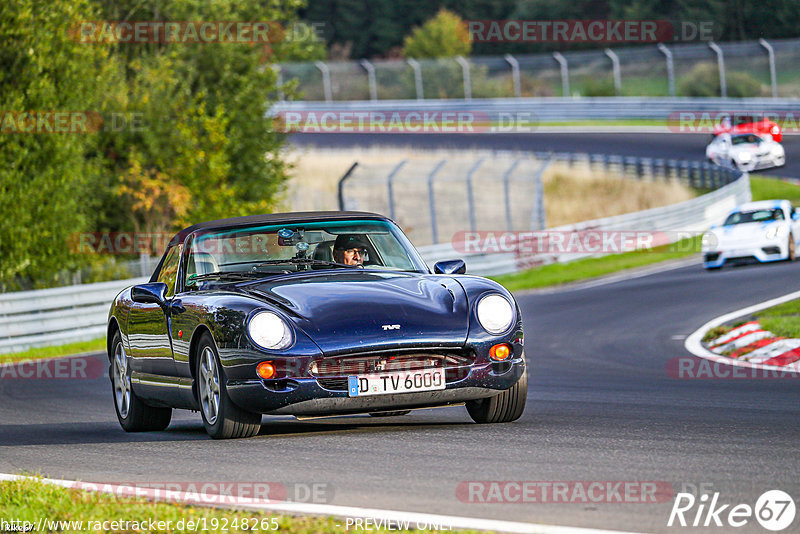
155, 293
450, 267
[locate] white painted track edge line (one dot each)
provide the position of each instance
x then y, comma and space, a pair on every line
343, 511
694, 345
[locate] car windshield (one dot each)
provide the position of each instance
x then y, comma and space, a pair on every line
741, 217
745, 139
237, 253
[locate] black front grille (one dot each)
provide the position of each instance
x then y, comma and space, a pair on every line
332, 373
712, 256
333, 384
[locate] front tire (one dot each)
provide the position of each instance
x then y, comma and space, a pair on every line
792, 253
133, 414
221, 417
503, 408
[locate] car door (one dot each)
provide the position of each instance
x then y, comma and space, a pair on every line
148, 324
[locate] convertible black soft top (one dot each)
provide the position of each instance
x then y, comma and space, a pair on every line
300, 216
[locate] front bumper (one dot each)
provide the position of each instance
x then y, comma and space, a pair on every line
306, 397
763, 252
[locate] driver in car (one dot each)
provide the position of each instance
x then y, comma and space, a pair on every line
350, 249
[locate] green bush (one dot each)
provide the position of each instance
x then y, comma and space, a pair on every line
597, 87
703, 80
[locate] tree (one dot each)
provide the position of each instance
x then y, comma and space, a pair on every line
46, 181
445, 35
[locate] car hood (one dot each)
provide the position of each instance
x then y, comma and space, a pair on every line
351, 311
746, 232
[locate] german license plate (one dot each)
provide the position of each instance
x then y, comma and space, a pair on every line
403, 382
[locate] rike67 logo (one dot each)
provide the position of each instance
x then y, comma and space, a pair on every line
774, 510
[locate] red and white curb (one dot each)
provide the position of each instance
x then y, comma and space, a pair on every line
749, 345
396, 517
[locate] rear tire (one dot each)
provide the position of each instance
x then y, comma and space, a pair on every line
133, 414
222, 419
398, 413
503, 408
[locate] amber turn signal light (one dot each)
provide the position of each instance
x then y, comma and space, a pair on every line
266, 370
500, 352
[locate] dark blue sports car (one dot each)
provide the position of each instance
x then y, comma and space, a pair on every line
310, 314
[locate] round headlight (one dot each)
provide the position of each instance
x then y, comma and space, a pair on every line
495, 313
269, 331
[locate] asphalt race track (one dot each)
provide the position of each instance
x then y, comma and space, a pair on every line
649, 145
601, 407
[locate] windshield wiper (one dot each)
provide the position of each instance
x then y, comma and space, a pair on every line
305, 261
233, 276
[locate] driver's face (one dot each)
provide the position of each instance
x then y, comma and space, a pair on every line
353, 256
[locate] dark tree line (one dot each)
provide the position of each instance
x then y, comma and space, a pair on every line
375, 28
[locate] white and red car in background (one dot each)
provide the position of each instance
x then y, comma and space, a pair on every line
756, 124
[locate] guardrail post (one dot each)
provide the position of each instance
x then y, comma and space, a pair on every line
326, 80
616, 70
465, 73
670, 68
564, 72
772, 76
723, 86
515, 77
373, 84
341, 185
432, 200
470, 198
703, 176
390, 186
538, 215
417, 77
279, 82
507, 195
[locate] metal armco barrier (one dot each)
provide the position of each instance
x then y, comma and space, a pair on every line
57, 316
505, 114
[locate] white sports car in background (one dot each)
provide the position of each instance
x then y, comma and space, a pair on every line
768, 230
746, 152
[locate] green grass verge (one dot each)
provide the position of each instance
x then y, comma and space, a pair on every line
563, 273
772, 188
717, 331
29, 500
78, 347
782, 326
782, 320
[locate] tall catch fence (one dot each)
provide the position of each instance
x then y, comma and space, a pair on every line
732, 69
